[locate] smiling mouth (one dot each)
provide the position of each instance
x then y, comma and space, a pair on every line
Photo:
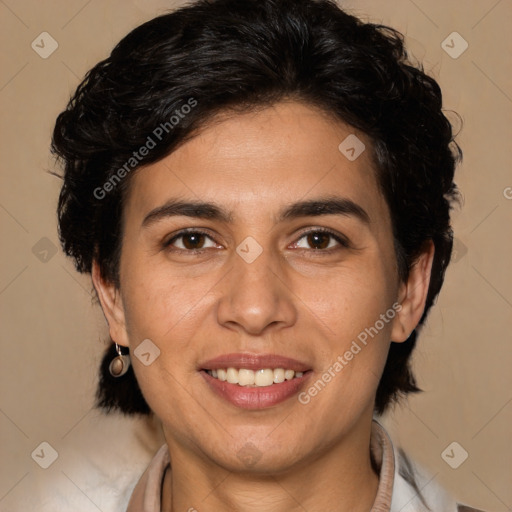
263, 377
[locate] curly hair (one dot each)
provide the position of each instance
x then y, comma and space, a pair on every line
232, 55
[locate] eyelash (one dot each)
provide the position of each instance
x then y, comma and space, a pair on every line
341, 240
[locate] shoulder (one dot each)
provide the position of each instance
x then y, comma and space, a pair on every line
415, 490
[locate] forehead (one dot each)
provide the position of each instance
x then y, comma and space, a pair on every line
260, 160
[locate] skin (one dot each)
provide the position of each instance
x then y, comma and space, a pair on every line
302, 298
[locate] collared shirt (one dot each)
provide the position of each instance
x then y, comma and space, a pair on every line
398, 490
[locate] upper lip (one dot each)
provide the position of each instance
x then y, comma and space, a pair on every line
254, 362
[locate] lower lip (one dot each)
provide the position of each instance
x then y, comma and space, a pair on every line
255, 397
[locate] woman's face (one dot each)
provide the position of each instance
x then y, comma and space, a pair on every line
268, 276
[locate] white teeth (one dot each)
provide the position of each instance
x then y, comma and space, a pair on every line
232, 376
245, 377
264, 378
251, 378
278, 375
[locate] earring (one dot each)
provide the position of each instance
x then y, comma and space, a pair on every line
120, 364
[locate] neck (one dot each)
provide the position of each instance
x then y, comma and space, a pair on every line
339, 478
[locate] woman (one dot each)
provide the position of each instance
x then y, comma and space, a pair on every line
261, 193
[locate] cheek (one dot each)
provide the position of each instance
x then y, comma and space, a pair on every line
166, 309
351, 315
350, 299
156, 303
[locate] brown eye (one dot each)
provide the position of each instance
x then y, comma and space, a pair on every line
318, 240
193, 240
190, 241
321, 240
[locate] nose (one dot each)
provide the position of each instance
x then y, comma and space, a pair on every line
256, 296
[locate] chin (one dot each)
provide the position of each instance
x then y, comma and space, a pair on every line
251, 460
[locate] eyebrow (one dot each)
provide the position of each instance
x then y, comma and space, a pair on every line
206, 210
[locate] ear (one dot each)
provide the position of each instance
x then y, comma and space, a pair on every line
412, 295
112, 306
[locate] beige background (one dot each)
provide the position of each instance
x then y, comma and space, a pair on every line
52, 333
